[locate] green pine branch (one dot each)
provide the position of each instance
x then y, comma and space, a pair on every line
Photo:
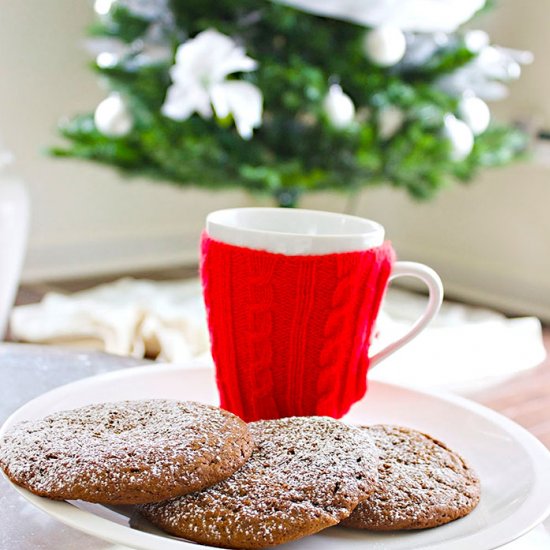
296, 150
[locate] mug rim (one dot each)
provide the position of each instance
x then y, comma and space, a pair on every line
375, 227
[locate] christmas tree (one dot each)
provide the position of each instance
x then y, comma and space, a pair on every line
290, 96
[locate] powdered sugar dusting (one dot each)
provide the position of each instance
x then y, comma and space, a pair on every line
421, 483
126, 452
305, 474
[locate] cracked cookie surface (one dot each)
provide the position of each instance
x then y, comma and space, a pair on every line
422, 483
128, 452
305, 474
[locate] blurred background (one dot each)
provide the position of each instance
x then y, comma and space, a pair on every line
110, 263
489, 240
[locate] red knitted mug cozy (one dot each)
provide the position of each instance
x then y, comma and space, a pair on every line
290, 334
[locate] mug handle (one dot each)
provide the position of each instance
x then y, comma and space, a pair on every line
435, 297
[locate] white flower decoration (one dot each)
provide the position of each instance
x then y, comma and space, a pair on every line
407, 15
200, 82
486, 75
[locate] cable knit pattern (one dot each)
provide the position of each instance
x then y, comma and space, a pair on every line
290, 334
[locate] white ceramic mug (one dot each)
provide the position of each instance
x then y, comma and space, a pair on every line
298, 232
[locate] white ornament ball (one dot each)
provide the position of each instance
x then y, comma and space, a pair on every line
390, 121
339, 107
112, 117
513, 70
460, 136
475, 113
103, 7
476, 40
385, 45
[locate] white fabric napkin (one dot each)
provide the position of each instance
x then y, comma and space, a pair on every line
465, 347
133, 317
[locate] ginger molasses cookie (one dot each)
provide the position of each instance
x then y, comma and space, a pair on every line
305, 474
422, 483
129, 452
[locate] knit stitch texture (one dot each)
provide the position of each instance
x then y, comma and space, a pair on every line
290, 334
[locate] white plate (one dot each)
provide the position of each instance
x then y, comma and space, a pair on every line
514, 467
